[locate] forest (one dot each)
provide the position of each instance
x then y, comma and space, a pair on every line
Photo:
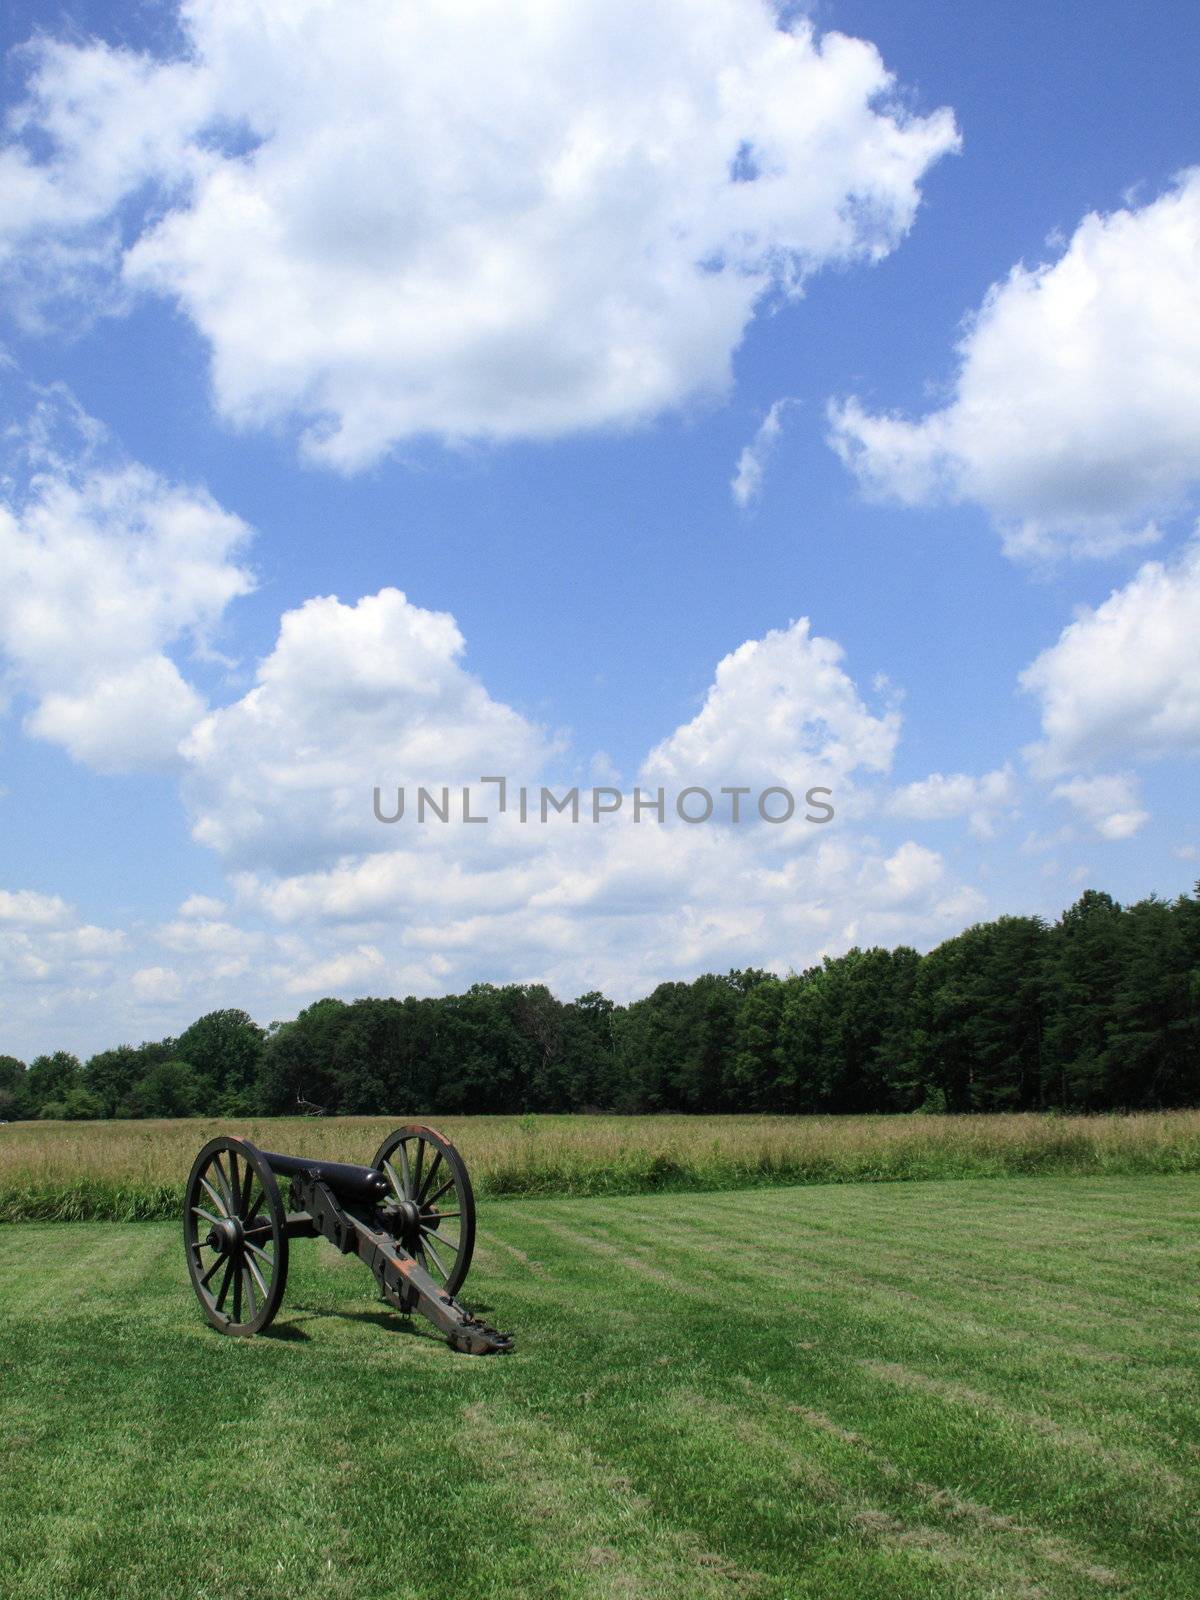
1097, 1011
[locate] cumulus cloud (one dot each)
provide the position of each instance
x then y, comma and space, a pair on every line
781, 709
351, 697
1109, 801
350, 970
52, 966
25, 908
583, 246
957, 794
1122, 682
1075, 416
155, 984
747, 481
200, 906
101, 571
280, 786
326, 899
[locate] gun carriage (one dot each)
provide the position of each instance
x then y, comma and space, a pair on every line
410, 1216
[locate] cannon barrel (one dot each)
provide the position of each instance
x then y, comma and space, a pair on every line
343, 1177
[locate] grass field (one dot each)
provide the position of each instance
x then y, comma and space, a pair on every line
927, 1390
126, 1171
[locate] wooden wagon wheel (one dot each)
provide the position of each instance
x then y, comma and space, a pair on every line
235, 1233
431, 1202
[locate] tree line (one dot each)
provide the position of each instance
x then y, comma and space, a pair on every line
1097, 1011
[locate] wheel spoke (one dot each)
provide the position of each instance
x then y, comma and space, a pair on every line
247, 1185
225, 1186
237, 1293
249, 1283
436, 1163
253, 1269
216, 1198
420, 1169
261, 1230
225, 1283
207, 1215
390, 1170
256, 1251
427, 1246
437, 1194
441, 1238
211, 1271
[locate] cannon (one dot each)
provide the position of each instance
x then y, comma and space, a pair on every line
410, 1215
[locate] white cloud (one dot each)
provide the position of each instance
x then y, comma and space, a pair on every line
1109, 801
341, 973
53, 966
746, 484
25, 908
100, 572
155, 984
619, 904
510, 222
1075, 417
351, 697
327, 900
1036, 844
781, 710
201, 906
1122, 681
957, 794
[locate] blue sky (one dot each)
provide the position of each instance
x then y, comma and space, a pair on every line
477, 313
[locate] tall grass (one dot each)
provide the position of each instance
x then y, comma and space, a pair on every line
133, 1171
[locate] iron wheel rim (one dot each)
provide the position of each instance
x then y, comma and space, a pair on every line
425, 1171
235, 1236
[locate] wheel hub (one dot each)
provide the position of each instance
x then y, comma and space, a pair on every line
408, 1222
225, 1236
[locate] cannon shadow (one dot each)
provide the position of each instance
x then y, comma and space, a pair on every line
288, 1328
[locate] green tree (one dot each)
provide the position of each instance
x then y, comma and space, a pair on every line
841, 1033
1150, 1053
297, 1071
752, 1074
49, 1079
80, 1105
12, 1073
111, 1074
595, 1079
168, 1089
1083, 972
12, 1078
225, 1051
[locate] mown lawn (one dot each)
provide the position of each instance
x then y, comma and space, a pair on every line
982, 1389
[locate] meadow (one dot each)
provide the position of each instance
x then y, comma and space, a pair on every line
129, 1171
929, 1391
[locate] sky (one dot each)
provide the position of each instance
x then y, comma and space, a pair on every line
683, 395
